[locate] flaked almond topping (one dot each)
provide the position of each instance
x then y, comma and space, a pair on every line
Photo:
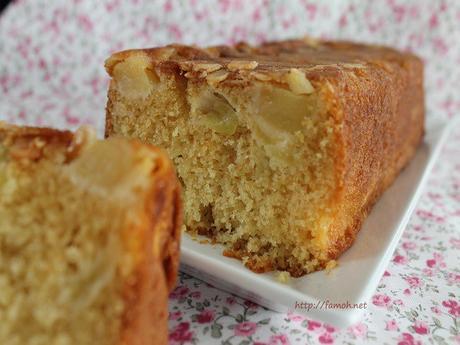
217, 76
39, 143
237, 65
315, 67
352, 65
310, 41
185, 66
261, 76
207, 67
165, 53
298, 82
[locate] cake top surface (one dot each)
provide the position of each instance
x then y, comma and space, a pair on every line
115, 166
314, 57
33, 143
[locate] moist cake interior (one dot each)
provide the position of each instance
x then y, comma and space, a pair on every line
63, 256
255, 160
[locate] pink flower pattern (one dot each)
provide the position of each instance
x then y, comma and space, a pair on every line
51, 73
206, 316
408, 339
326, 338
414, 282
391, 325
358, 331
181, 334
381, 300
245, 329
280, 339
453, 307
312, 325
420, 327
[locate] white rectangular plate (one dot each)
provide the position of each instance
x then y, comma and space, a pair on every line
360, 268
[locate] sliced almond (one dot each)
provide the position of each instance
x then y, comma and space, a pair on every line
207, 67
242, 65
165, 53
217, 76
261, 76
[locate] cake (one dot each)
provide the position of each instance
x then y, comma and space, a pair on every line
89, 239
282, 149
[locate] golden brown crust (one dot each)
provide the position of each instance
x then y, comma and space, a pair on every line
146, 321
30, 142
382, 126
108, 119
145, 294
318, 59
35, 143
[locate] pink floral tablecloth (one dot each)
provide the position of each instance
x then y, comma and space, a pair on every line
51, 73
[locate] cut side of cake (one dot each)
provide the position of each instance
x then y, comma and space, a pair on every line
283, 148
89, 239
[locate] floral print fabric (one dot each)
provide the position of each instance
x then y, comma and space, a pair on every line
51, 73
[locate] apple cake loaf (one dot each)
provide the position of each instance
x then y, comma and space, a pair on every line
282, 148
89, 239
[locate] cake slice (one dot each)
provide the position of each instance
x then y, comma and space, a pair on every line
89, 239
283, 148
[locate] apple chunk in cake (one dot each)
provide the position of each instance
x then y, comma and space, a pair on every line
283, 148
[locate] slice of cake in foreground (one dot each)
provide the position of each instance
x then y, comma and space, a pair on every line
89, 239
282, 149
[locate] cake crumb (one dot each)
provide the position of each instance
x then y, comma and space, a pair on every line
330, 266
283, 277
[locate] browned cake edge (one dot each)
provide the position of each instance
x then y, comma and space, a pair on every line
383, 125
145, 319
